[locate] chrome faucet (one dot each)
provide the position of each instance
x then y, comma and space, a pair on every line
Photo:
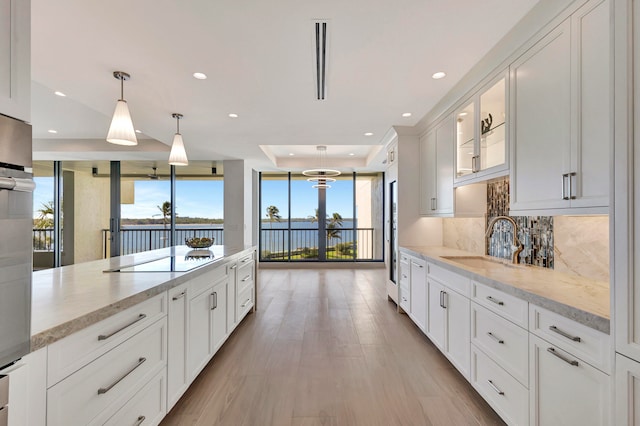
516, 246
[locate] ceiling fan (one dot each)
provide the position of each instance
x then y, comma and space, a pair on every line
154, 175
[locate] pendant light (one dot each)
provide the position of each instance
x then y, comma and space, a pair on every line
121, 131
178, 156
321, 176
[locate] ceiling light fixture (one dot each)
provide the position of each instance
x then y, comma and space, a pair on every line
62, 95
233, 115
438, 75
178, 156
351, 154
322, 176
406, 114
368, 134
52, 131
121, 130
291, 154
138, 131
200, 75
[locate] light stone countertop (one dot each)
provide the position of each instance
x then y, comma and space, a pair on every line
579, 298
70, 298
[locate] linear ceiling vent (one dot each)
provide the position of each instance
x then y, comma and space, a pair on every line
321, 42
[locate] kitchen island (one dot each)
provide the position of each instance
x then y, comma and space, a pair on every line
122, 347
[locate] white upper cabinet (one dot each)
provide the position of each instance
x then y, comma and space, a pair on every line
560, 117
15, 59
436, 170
481, 148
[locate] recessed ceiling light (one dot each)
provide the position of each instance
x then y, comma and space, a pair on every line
291, 154
438, 75
138, 131
59, 94
200, 75
368, 134
462, 114
406, 114
351, 154
52, 131
233, 115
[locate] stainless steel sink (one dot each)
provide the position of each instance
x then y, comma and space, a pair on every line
481, 262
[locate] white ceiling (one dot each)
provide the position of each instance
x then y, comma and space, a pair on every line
259, 62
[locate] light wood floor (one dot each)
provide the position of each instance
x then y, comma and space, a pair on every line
326, 348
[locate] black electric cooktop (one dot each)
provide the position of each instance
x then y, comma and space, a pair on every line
196, 259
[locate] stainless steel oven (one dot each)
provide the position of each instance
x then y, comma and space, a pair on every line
16, 241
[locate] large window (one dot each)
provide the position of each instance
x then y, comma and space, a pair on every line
300, 223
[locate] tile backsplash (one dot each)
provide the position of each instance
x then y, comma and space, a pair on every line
577, 245
535, 233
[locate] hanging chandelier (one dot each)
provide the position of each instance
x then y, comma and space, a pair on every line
321, 176
121, 131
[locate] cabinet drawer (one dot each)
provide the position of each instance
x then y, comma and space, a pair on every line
583, 342
247, 258
510, 307
147, 407
452, 280
77, 350
504, 342
245, 277
404, 296
504, 393
109, 382
245, 302
203, 281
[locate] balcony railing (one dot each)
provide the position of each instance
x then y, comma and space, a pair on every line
299, 244
136, 240
43, 239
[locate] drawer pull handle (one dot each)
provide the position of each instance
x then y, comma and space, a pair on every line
139, 420
245, 260
564, 333
106, 336
496, 301
178, 296
234, 266
562, 357
497, 339
214, 300
495, 388
246, 278
244, 305
108, 388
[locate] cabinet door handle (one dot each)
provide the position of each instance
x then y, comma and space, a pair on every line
178, 296
246, 278
441, 299
106, 336
444, 299
249, 300
473, 164
434, 203
564, 334
571, 175
494, 300
565, 176
494, 337
495, 388
214, 300
139, 420
573, 362
102, 391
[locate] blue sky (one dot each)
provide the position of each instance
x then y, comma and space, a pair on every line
304, 198
193, 198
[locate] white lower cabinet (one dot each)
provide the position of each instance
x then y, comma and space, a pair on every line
505, 394
147, 407
404, 288
98, 390
449, 324
199, 331
219, 316
627, 391
418, 312
28, 389
564, 389
177, 377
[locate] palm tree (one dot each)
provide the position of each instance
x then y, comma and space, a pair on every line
335, 221
165, 211
273, 213
45, 216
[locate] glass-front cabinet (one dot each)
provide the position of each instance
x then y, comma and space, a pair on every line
481, 134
